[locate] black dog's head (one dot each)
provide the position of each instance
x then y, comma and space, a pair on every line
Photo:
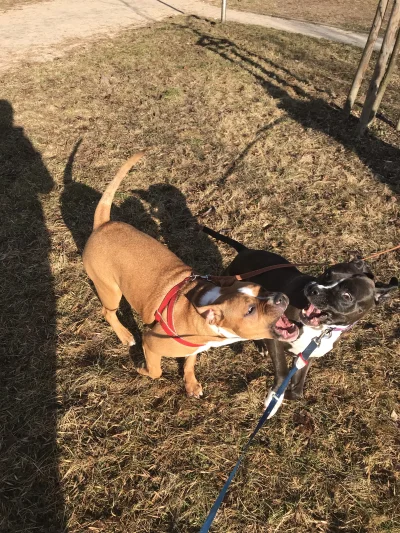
343, 294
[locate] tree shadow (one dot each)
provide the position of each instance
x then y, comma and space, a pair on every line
30, 492
315, 113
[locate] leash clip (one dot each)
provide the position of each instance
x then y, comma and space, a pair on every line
193, 277
327, 333
207, 277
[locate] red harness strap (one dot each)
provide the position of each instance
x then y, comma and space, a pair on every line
168, 326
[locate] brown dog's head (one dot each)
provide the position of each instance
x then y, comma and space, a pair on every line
246, 310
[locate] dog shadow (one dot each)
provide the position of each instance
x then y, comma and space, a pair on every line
30, 493
179, 229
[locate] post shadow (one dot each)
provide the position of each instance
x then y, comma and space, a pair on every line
30, 492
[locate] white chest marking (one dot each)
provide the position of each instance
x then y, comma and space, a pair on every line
306, 337
210, 296
230, 338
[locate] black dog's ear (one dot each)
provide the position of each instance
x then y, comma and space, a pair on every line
362, 266
383, 290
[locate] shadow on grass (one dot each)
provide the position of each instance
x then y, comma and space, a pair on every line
314, 113
177, 227
30, 494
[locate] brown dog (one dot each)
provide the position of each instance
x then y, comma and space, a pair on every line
121, 260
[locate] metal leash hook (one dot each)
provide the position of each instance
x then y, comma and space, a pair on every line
326, 333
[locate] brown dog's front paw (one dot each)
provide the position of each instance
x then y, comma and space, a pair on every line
153, 373
194, 389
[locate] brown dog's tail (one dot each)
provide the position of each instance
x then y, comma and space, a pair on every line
103, 210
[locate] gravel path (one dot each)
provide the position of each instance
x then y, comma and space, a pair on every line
37, 32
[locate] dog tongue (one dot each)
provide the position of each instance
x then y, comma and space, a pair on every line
286, 329
283, 323
311, 309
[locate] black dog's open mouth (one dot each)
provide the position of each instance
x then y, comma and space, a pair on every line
312, 315
286, 330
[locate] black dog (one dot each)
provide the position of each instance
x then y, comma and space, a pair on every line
337, 299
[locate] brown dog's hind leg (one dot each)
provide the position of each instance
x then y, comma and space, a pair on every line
192, 386
110, 298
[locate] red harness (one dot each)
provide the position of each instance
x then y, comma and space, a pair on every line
168, 325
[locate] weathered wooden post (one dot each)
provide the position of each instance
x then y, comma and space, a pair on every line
366, 55
379, 72
398, 125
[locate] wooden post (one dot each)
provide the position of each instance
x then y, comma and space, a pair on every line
223, 11
366, 55
385, 81
379, 72
398, 125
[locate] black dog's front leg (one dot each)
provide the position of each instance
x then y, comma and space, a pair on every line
277, 354
297, 383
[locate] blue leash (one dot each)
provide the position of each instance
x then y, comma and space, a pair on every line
300, 362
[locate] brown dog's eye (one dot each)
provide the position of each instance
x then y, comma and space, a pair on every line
347, 296
250, 310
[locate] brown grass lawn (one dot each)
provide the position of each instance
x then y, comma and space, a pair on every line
247, 121
355, 15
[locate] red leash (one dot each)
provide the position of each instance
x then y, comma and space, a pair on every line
381, 253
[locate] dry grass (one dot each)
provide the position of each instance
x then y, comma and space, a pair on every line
244, 120
356, 15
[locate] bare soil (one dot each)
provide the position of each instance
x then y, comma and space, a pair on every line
244, 132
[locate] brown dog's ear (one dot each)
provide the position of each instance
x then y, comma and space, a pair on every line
383, 290
212, 314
